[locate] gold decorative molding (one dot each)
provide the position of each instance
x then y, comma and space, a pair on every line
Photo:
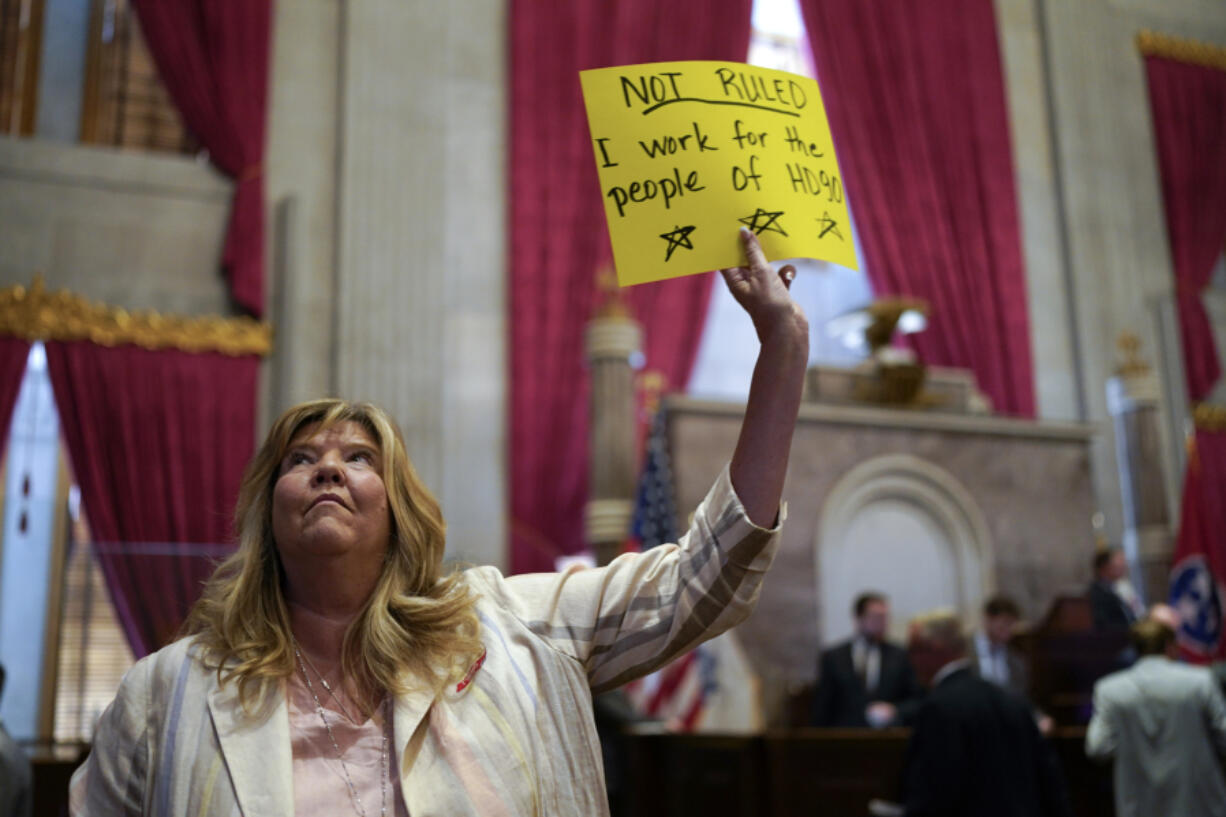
1209, 417
1154, 44
1132, 364
35, 314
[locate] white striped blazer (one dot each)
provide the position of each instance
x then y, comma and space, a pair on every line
519, 739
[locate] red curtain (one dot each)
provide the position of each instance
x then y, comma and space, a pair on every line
213, 57
1198, 577
1188, 103
158, 441
916, 102
13, 355
558, 241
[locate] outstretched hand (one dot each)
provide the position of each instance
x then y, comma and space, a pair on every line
764, 294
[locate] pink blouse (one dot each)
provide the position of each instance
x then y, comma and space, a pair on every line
319, 780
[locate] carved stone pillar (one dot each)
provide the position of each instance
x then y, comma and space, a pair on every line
1133, 398
414, 307
613, 341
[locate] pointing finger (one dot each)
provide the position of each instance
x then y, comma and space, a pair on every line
753, 250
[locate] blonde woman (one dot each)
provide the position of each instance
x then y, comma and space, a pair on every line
331, 668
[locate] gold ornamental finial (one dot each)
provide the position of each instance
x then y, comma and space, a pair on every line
1132, 364
652, 383
612, 303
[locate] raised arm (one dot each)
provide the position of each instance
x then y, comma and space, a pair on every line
760, 461
640, 611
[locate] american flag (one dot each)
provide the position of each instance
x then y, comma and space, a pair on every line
677, 692
655, 509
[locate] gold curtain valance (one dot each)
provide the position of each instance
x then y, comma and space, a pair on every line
36, 314
1209, 417
1153, 44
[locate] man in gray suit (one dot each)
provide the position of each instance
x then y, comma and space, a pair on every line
1161, 721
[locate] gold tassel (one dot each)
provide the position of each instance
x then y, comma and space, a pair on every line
36, 314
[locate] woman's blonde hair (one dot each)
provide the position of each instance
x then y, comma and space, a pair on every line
418, 627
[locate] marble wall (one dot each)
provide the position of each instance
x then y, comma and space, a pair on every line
1093, 225
385, 190
1028, 485
1056, 366
133, 230
386, 196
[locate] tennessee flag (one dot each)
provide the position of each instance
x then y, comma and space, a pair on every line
1198, 576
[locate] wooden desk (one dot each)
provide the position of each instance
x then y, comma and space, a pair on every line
709, 775
834, 771
831, 772
53, 767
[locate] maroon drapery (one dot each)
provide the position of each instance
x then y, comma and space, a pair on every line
916, 102
158, 441
1188, 103
213, 57
13, 355
559, 240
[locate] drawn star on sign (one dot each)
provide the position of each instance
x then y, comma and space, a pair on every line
763, 220
829, 225
679, 237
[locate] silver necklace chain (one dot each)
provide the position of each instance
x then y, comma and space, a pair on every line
331, 692
353, 792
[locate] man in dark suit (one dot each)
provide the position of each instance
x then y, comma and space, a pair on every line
866, 681
995, 660
975, 749
1113, 612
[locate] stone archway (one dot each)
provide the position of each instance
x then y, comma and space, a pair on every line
906, 527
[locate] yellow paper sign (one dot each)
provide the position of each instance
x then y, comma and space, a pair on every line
688, 152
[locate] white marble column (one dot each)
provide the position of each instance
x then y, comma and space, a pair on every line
613, 340
1134, 401
388, 131
300, 184
421, 251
